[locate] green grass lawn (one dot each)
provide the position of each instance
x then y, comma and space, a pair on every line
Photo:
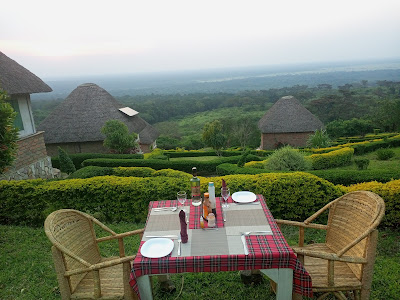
27, 272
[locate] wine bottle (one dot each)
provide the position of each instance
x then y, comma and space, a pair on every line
195, 186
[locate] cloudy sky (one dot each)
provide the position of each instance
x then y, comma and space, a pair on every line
85, 37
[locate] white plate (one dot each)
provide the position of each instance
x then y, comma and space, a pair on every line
157, 247
244, 197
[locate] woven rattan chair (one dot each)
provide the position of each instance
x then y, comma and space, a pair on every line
81, 271
345, 261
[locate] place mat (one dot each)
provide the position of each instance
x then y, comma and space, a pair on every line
209, 242
246, 216
163, 222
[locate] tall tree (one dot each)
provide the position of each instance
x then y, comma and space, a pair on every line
8, 133
213, 136
118, 138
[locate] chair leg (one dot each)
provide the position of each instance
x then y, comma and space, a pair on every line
323, 296
340, 295
356, 295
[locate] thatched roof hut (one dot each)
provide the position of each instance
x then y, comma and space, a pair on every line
15, 79
80, 117
287, 122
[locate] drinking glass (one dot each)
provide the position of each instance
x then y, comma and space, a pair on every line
225, 193
182, 198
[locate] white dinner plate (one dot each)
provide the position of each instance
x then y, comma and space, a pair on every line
244, 197
157, 247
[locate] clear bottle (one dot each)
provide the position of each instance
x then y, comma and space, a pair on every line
211, 191
195, 186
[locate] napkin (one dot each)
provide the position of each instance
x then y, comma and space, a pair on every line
182, 219
223, 183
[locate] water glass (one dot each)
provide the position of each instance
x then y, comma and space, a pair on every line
225, 193
181, 195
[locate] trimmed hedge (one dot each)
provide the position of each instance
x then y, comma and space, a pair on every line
93, 171
289, 195
224, 153
343, 177
78, 158
203, 167
390, 192
332, 159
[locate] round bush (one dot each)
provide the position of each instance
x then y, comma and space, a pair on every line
385, 154
287, 159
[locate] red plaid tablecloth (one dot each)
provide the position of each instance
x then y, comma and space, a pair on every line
265, 252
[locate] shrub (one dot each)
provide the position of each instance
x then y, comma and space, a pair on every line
78, 158
362, 163
255, 164
66, 164
91, 171
390, 192
287, 159
292, 196
134, 172
118, 137
203, 167
156, 154
385, 154
319, 139
332, 159
243, 158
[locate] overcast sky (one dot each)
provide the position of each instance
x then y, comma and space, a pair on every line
64, 38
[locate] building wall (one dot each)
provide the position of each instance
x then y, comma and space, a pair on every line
31, 159
270, 141
22, 105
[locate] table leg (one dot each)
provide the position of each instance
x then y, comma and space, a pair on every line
284, 280
144, 285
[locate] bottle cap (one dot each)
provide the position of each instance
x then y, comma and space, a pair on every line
206, 195
211, 183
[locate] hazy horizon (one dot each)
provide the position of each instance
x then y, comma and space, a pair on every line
78, 38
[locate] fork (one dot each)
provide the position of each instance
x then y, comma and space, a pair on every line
258, 231
165, 208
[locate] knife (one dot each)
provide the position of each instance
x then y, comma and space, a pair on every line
162, 236
246, 251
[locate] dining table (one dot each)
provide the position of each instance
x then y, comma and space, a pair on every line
248, 239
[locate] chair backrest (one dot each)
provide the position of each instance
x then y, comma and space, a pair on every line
71, 230
352, 217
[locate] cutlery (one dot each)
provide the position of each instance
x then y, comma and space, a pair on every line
246, 251
210, 228
162, 236
179, 247
256, 232
165, 208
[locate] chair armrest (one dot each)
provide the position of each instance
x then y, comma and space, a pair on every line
102, 265
301, 224
329, 256
120, 235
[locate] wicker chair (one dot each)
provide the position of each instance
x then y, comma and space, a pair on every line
81, 272
345, 261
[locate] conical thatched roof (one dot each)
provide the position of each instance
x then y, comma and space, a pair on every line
15, 79
80, 117
288, 115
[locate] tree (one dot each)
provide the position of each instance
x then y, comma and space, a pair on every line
66, 164
213, 135
118, 138
8, 133
319, 139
